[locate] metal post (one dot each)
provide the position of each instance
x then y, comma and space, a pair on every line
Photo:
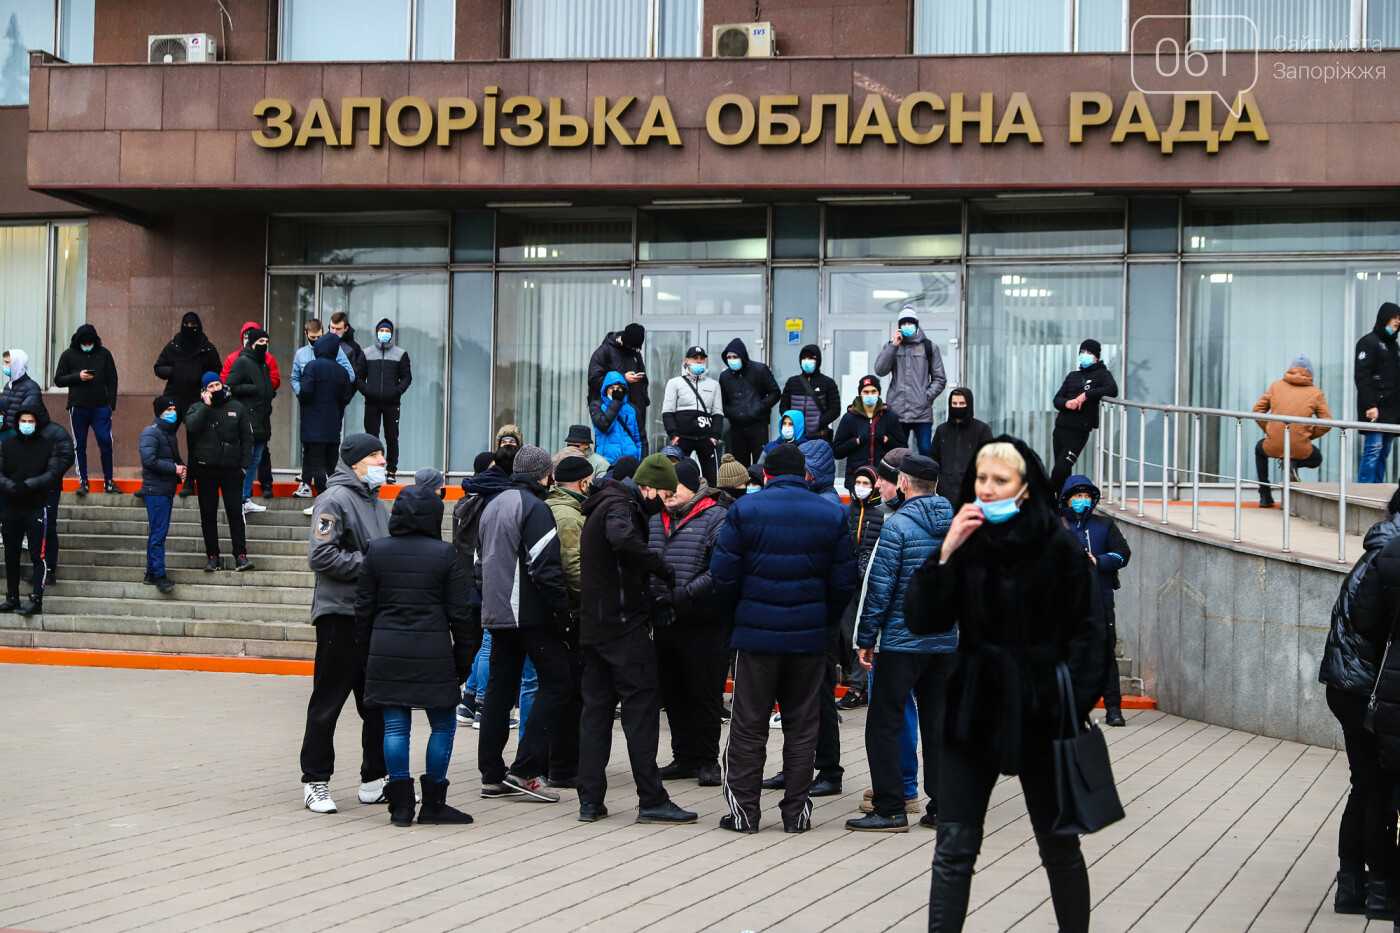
1344, 462
1108, 458
1123, 459
1287, 484
1239, 452
1166, 443
1195, 473
1142, 458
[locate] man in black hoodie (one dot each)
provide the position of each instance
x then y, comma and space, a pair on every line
1078, 405
1378, 390
182, 364
29, 471
621, 351
813, 393
62, 463
749, 392
388, 374
956, 442
86, 369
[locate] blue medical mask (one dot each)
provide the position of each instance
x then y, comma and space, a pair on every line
26, 428
908, 330
384, 336
869, 400
7, 369
1389, 330
1081, 506
809, 366
1002, 509
87, 347
788, 431
749, 489
170, 417
735, 365
698, 368
1086, 360
375, 476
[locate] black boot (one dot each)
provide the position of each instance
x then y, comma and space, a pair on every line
1351, 893
1381, 900
1114, 716
954, 856
1069, 881
1266, 497
435, 808
34, 607
400, 794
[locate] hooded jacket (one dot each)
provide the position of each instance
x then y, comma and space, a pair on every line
616, 564
866, 519
915, 368
1024, 599
477, 491
1377, 371
908, 539
412, 615
184, 361
685, 542
354, 354
271, 360
1359, 626
388, 373
21, 391
325, 389
814, 394
250, 381
519, 568
220, 436
955, 445
749, 394
344, 520
784, 569
617, 430
1094, 382
1294, 395
1099, 535
799, 431
692, 406
160, 455
1373, 615
101, 390
863, 439
612, 357
821, 465
32, 466
568, 518
307, 353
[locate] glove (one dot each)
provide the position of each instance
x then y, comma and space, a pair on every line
667, 575
32, 484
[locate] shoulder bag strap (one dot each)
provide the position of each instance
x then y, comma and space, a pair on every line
1380, 668
699, 399
1068, 727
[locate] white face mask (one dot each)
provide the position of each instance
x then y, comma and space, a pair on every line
862, 492
788, 432
375, 476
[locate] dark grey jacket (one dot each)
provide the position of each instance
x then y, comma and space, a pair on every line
519, 566
916, 377
344, 520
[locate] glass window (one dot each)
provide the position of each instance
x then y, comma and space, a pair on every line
1227, 228
691, 235
291, 302
796, 298
473, 306
24, 25
871, 302
1249, 24
913, 231
75, 30
378, 240
605, 28
797, 231
366, 30
993, 27
1152, 225
29, 319
69, 285
565, 235
702, 293
1021, 227
1149, 374
473, 236
1383, 24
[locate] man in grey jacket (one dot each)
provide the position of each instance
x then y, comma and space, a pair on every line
915, 368
344, 520
693, 413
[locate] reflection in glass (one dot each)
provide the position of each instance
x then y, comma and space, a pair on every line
344, 30
686, 235
377, 241
75, 30
914, 231
69, 284
702, 294
24, 25
1232, 228
1150, 374
291, 302
550, 235
472, 320
1020, 227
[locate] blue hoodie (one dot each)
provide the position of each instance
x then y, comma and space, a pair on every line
821, 464
799, 430
615, 422
1099, 533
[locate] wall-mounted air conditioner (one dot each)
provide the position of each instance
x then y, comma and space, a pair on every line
744, 40
192, 47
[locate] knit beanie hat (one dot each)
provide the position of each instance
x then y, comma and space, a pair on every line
623, 467
572, 468
1092, 346
888, 467
1301, 361
254, 334
732, 474
208, 378
688, 474
483, 461
533, 463
429, 477
908, 316
162, 402
357, 447
634, 335
869, 381
785, 460
656, 471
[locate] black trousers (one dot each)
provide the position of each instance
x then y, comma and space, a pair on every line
746, 443
896, 673
795, 682
1261, 462
21, 522
211, 483
265, 471
1068, 443
339, 673
544, 646
1366, 838
317, 463
623, 668
389, 413
1112, 689
691, 662
828, 760
707, 452
51, 526
563, 738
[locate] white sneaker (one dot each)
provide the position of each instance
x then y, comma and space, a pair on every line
304, 492
373, 792
775, 721
250, 506
317, 797
310, 509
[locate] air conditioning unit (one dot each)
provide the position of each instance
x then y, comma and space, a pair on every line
744, 40
193, 47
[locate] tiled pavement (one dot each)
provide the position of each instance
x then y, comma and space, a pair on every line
144, 800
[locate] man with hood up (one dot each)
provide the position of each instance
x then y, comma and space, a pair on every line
182, 364
264, 462
388, 374
20, 388
619, 430
792, 429
1378, 390
86, 369
813, 393
1078, 405
915, 368
749, 392
956, 442
276, 375
31, 466
324, 389
1109, 551
621, 352
1293, 395
868, 430
250, 381
821, 470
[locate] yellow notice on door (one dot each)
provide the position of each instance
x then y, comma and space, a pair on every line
794, 330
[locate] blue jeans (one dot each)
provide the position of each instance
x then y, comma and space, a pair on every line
922, 434
397, 721
158, 515
100, 420
1374, 451
529, 686
250, 475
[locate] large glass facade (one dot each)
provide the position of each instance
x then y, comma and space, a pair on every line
43, 290
995, 27
605, 28
63, 27
1289, 25
366, 30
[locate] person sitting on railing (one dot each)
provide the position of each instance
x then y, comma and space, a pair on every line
1296, 396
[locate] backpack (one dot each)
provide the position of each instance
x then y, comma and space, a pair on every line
928, 355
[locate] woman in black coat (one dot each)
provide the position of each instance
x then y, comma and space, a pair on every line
1021, 591
414, 628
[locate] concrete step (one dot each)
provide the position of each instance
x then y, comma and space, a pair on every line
181, 513
73, 558
255, 530
184, 603
117, 634
204, 590
1317, 502
187, 544
80, 575
50, 621
95, 501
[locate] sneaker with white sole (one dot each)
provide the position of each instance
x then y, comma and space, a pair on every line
490, 791
316, 797
531, 787
308, 510
775, 721
250, 506
304, 492
373, 792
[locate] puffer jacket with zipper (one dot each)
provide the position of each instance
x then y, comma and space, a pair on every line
749, 394
863, 439
1351, 655
685, 544
160, 455
615, 563
814, 394
388, 372
908, 539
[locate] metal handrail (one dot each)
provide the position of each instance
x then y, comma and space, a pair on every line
1111, 445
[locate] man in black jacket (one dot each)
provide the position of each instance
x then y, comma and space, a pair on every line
86, 369
28, 472
250, 381
220, 438
388, 374
749, 392
1078, 405
1378, 390
621, 351
619, 659
813, 393
182, 364
63, 462
956, 442
340, 326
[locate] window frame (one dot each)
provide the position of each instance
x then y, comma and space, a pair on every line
1071, 31
412, 50
653, 34
1357, 22
50, 225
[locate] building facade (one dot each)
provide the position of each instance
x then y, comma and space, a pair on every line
1207, 189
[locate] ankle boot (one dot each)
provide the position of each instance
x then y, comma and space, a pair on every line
400, 796
1382, 899
1069, 881
1351, 893
954, 856
435, 808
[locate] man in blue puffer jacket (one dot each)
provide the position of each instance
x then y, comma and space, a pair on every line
821, 471
785, 568
615, 424
921, 663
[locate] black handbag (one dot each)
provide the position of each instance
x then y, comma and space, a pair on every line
1084, 788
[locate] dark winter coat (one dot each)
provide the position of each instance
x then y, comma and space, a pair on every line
815, 395
1094, 382
1377, 371
412, 620
1373, 616
354, 354
271, 360
955, 445
325, 391
477, 491
1359, 627
21, 391
30, 467
863, 440
821, 465
613, 357
1024, 599
220, 436
749, 394
250, 381
344, 520
388, 373
101, 390
616, 429
519, 568
908, 539
784, 569
1098, 533
184, 361
64, 454
685, 544
865, 518
615, 563
160, 455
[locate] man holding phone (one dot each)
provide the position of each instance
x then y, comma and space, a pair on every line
86, 369
621, 351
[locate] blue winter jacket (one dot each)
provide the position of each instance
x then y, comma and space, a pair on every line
1099, 534
909, 538
784, 569
160, 455
324, 392
821, 463
799, 430
616, 432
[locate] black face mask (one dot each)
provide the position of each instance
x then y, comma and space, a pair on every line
959, 414
653, 506
219, 397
